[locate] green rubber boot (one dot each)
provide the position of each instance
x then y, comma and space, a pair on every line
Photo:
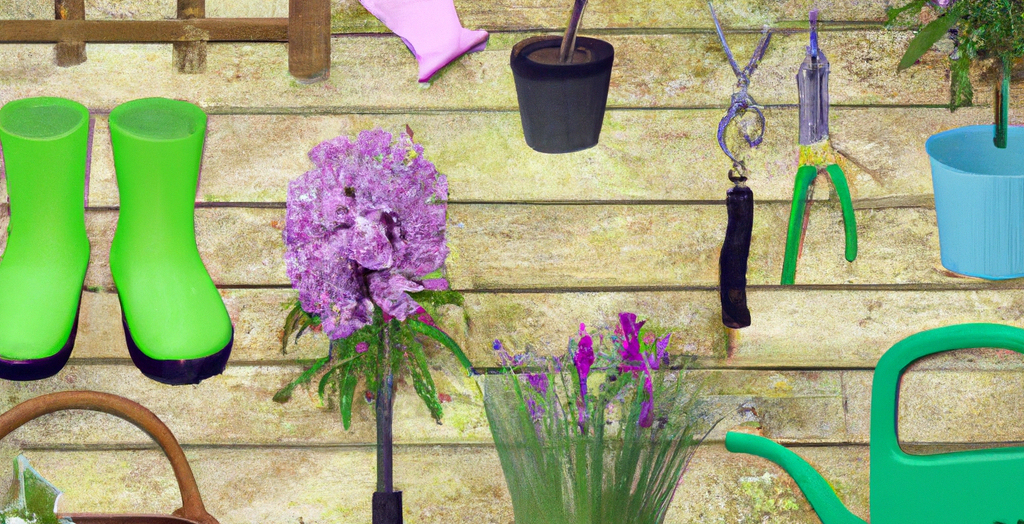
45, 145
175, 323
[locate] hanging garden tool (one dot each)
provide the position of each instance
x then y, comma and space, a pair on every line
816, 155
739, 200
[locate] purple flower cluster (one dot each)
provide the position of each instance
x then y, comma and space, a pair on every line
363, 229
630, 355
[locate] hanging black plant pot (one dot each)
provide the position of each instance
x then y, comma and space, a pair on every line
562, 105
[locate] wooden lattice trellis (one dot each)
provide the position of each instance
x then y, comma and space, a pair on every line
307, 31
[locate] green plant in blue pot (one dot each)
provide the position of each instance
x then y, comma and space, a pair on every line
977, 171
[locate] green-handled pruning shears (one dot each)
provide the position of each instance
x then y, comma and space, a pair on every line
816, 155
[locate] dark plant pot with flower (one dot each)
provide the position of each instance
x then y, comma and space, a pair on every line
602, 435
977, 171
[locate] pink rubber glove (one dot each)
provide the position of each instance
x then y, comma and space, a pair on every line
430, 28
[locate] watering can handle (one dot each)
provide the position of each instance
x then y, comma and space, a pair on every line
192, 505
817, 490
890, 368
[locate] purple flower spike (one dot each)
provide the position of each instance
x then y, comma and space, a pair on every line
584, 359
539, 382
632, 360
646, 414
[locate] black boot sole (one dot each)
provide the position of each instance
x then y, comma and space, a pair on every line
177, 372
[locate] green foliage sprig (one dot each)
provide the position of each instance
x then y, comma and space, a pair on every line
980, 29
356, 356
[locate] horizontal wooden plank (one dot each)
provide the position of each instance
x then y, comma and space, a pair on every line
792, 328
439, 484
673, 70
236, 408
501, 247
350, 16
799, 407
257, 316
122, 31
481, 152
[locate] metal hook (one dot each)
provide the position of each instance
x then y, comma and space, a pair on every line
741, 100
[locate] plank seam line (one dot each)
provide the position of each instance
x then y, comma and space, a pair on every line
896, 288
492, 370
833, 26
363, 110
864, 204
79, 448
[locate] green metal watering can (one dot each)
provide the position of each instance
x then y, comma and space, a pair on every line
983, 486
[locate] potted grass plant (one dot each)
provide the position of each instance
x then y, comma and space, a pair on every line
365, 246
602, 435
977, 171
562, 87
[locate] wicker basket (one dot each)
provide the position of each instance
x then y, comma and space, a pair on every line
192, 509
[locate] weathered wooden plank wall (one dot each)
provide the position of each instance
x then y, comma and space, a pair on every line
633, 224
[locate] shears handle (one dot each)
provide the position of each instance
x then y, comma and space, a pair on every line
846, 202
804, 178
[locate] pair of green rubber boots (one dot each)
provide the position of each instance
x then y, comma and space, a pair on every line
175, 323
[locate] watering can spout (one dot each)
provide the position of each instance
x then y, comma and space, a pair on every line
817, 490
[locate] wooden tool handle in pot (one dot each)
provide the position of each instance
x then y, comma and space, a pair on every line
191, 504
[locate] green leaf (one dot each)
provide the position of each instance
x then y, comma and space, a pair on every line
961, 92
422, 381
442, 338
927, 37
346, 390
326, 381
296, 323
285, 394
895, 12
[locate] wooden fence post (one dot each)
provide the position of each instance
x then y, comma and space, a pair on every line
309, 40
68, 54
190, 57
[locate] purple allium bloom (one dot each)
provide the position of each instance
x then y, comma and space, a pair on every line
363, 228
362, 347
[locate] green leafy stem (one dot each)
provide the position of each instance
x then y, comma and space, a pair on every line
358, 356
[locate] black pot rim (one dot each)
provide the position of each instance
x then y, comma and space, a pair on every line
602, 52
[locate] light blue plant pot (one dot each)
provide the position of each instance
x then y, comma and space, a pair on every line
979, 201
